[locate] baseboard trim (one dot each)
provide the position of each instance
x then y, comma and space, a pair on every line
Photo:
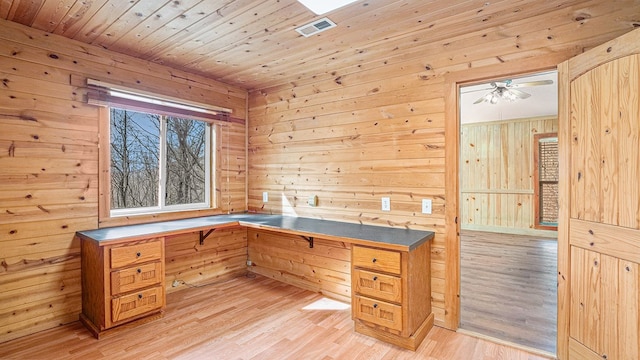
508, 343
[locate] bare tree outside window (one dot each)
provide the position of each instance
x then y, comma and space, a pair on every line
186, 147
140, 171
135, 139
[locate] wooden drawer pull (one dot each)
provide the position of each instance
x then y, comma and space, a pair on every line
375, 306
375, 278
138, 254
374, 260
139, 270
139, 296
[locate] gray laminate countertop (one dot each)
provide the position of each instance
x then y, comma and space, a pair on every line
396, 237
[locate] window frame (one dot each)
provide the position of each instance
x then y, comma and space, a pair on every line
162, 207
536, 182
104, 179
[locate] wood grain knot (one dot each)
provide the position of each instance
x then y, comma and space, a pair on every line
12, 149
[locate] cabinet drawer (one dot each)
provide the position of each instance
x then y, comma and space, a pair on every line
384, 287
376, 259
378, 312
133, 278
137, 253
138, 303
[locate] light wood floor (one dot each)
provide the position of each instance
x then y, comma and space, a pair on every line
509, 288
247, 318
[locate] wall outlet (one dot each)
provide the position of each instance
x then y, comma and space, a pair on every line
313, 200
426, 206
386, 204
249, 263
265, 196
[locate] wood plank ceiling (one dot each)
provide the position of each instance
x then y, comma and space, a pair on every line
253, 44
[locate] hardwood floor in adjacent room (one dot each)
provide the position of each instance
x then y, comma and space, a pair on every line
508, 288
248, 318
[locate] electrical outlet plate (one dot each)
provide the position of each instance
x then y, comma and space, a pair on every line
313, 200
426, 206
386, 204
265, 196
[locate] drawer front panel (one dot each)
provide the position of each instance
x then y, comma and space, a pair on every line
378, 312
138, 303
133, 278
379, 286
136, 253
376, 259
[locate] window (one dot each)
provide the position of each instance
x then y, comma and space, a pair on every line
158, 162
546, 181
157, 156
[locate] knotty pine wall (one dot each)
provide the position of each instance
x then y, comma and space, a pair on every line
325, 268
49, 173
497, 175
223, 255
352, 135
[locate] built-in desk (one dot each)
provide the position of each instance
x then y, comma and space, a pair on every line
123, 271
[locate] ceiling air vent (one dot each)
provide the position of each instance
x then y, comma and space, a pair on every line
316, 27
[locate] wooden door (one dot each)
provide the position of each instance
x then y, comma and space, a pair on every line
599, 234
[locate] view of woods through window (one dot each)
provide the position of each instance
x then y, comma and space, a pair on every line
153, 154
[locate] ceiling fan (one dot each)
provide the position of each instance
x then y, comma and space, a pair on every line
506, 90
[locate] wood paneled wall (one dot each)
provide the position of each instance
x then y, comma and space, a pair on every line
352, 135
351, 148
349, 135
497, 174
49, 171
222, 255
325, 268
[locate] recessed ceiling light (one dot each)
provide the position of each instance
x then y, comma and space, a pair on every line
324, 6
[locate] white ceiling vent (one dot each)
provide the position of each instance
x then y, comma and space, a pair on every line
316, 27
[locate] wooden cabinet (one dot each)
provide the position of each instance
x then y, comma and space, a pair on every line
378, 296
123, 270
391, 294
378, 285
121, 282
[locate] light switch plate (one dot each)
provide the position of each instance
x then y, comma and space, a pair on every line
426, 206
386, 204
313, 200
265, 196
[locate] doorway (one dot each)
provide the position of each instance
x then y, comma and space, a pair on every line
507, 202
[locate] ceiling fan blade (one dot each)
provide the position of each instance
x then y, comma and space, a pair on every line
485, 87
532, 83
519, 94
485, 98
469, 91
